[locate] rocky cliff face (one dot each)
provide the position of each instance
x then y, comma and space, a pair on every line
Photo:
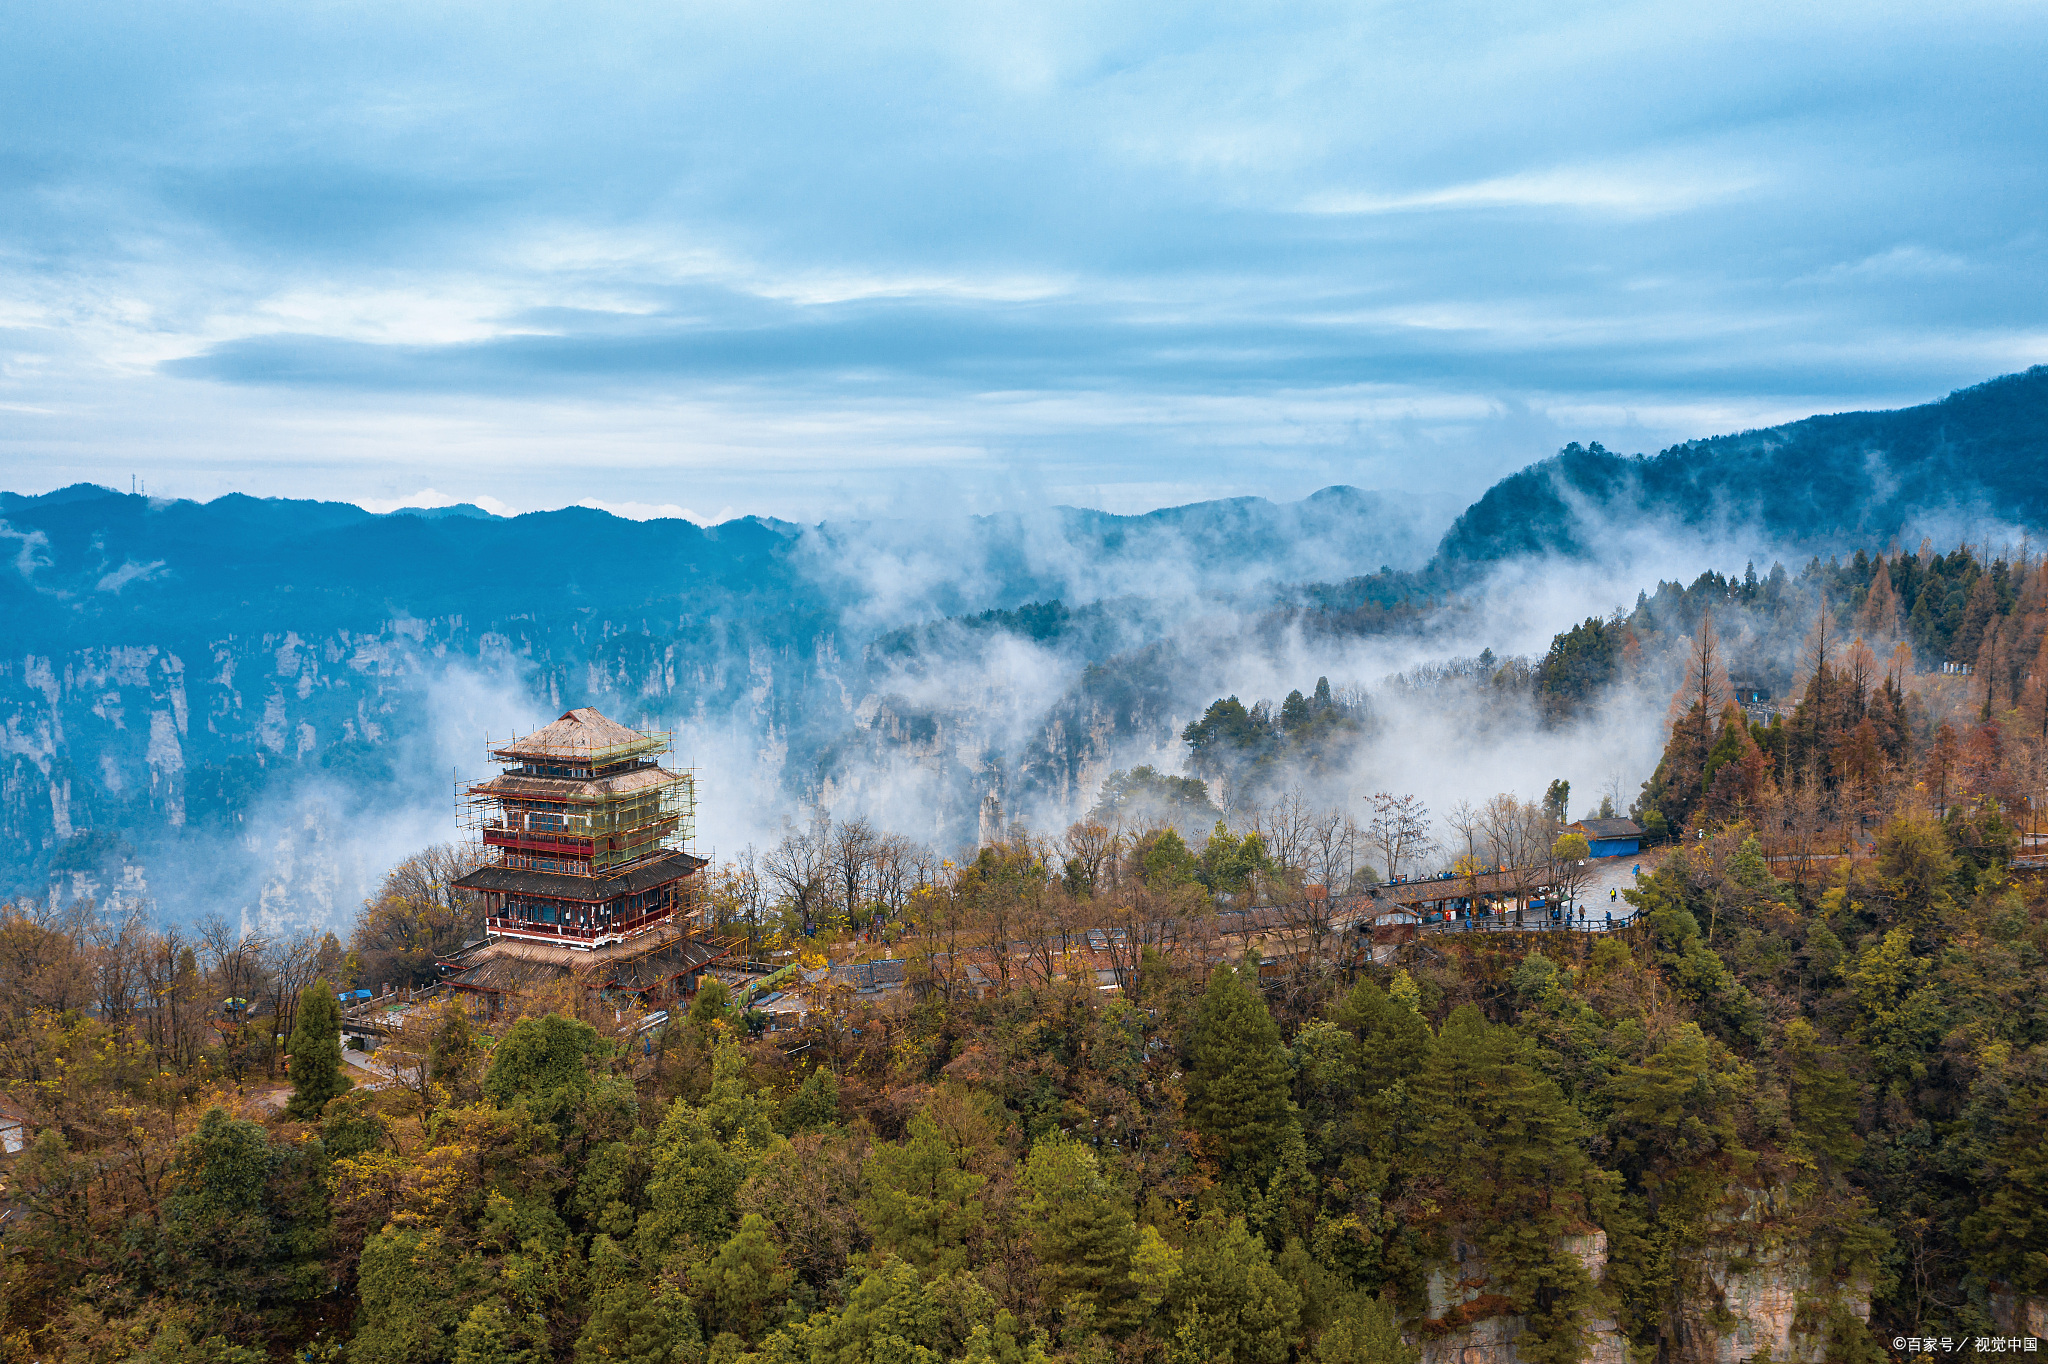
2019, 1315
272, 777
1467, 1321
1751, 1297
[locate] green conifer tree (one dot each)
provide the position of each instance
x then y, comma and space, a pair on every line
921, 1202
891, 1317
1393, 1041
1364, 1332
1227, 1302
692, 1182
1082, 1232
708, 1006
1238, 1078
490, 1334
545, 1061
315, 1053
738, 1290
1506, 1145
736, 1110
414, 1290
814, 1105
630, 1325
1168, 863
234, 1238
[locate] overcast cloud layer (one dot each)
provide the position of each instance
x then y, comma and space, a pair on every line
805, 260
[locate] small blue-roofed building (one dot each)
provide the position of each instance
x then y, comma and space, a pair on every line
1609, 837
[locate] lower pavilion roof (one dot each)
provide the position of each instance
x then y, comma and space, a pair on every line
504, 966
554, 885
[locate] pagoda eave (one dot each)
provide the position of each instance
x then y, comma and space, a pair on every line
554, 885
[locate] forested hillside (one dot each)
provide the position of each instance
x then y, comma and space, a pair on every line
1830, 1092
1969, 463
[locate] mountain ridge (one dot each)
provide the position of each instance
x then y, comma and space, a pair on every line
1789, 481
177, 669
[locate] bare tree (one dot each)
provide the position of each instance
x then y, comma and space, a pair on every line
738, 899
1332, 850
1515, 832
234, 959
170, 974
1706, 674
290, 965
119, 953
902, 866
1053, 928
428, 877
1469, 823
1398, 829
1816, 660
42, 965
798, 867
418, 914
1088, 856
932, 915
1287, 826
853, 849
1173, 923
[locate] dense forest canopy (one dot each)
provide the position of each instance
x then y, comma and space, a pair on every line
1215, 1161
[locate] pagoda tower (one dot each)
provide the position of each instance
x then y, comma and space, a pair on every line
585, 833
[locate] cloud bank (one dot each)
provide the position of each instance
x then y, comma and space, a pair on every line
788, 258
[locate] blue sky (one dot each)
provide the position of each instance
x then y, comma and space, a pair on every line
824, 260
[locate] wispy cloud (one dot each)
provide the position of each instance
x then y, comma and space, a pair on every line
1057, 250
1595, 189
1905, 261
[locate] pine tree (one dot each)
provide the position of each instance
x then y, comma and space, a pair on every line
229, 1237
1393, 1041
735, 1109
492, 1335
1238, 1078
545, 1063
2009, 1230
1879, 618
315, 1053
413, 1287
1227, 1302
890, 1317
1506, 1144
1364, 1332
691, 1184
1082, 1231
1980, 612
814, 1105
738, 1289
922, 1203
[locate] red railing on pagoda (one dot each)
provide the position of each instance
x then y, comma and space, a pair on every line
579, 933
576, 845
498, 836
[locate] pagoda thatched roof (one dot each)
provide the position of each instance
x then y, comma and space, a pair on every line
582, 735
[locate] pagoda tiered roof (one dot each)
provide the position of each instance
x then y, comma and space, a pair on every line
517, 785
580, 736
554, 885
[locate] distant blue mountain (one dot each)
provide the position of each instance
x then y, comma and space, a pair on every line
454, 509
1975, 458
248, 703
